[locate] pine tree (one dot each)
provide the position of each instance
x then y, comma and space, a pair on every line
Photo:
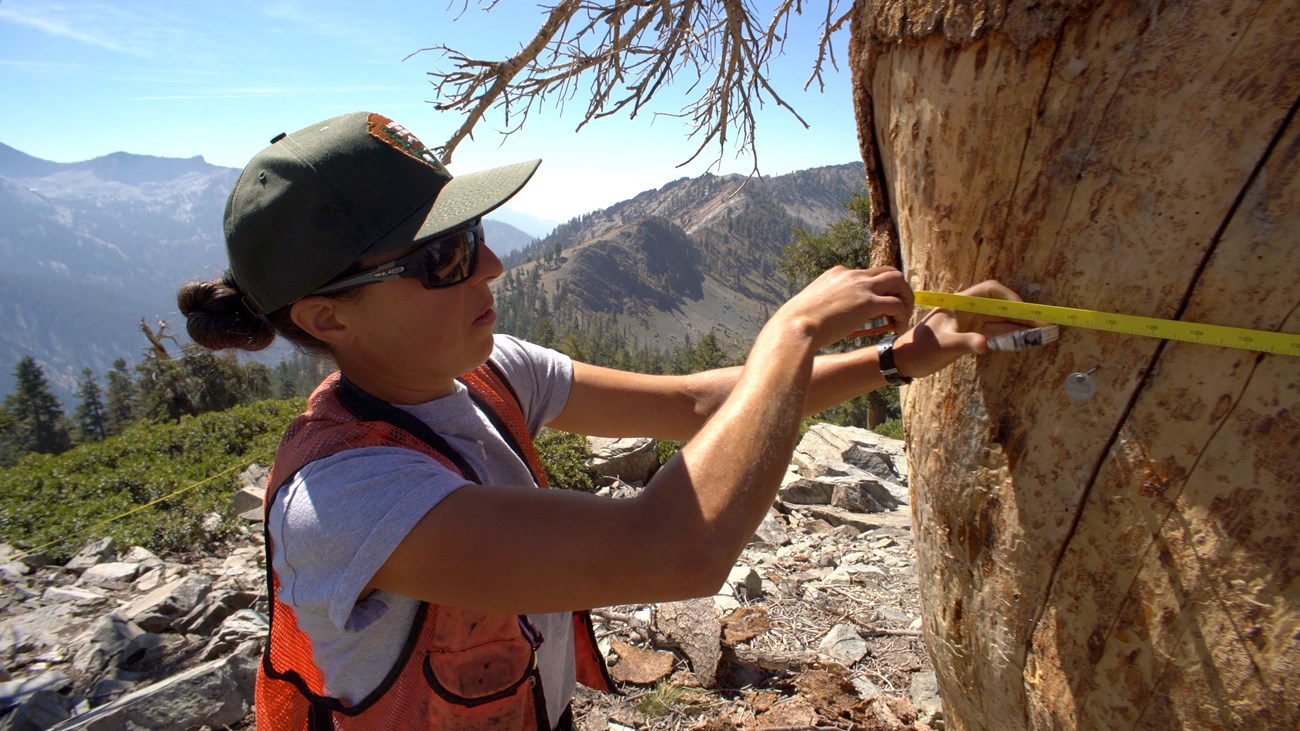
708, 354
846, 242
120, 398
90, 415
38, 423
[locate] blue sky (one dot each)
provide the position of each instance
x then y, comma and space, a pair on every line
219, 79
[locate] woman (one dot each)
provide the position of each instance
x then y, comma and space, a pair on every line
420, 579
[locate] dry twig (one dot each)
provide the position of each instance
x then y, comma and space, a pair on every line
631, 50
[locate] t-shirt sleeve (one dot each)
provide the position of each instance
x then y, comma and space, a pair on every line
541, 377
340, 518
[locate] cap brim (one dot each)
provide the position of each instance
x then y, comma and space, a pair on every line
474, 195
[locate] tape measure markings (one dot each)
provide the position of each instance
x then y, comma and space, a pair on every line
1192, 332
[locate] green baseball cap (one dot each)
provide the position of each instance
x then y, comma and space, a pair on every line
314, 202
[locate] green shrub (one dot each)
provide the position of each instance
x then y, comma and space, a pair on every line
190, 467
666, 448
892, 428
565, 456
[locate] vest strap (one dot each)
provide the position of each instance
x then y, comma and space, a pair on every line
369, 408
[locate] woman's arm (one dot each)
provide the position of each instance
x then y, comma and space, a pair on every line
518, 549
612, 403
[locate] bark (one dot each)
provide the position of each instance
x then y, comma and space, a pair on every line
1128, 561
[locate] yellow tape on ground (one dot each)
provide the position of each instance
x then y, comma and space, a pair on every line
1192, 332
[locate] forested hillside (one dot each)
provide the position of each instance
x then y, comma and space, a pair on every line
696, 259
96, 249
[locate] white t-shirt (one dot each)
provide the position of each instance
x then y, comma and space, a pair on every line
336, 522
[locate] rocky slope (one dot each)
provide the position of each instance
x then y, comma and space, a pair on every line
817, 627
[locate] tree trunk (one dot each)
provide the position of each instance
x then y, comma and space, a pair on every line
1130, 560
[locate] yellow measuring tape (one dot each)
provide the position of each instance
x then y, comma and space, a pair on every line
1192, 332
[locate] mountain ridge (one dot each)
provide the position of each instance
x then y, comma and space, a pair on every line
711, 245
95, 247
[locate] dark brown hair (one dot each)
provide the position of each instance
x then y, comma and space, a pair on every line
217, 316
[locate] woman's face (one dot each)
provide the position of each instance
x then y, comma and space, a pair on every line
408, 343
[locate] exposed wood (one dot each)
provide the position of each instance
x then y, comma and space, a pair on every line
156, 349
1127, 561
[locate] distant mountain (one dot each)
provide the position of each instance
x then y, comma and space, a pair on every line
502, 237
696, 255
531, 225
91, 248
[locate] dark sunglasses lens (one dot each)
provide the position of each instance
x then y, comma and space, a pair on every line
451, 259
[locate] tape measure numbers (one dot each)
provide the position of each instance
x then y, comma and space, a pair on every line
1192, 332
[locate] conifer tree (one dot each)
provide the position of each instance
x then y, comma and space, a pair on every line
90, 415
120, 398
38, 423
708, 354
847, 242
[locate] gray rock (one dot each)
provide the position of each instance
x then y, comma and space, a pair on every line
77, 595
147, 559
110, 573
925, 695
832, 518
806, 491
695, 627
772, 530
160, 608
247, 503
208, 616
90, 554
15, 692
14, 570
862, 495
40, 711
245, 625
108, 689
216, 693
745, 583
628, 459
255, 475
100, 648
874, 453
843, 644
866, 689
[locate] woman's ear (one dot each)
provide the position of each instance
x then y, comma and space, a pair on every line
319, 317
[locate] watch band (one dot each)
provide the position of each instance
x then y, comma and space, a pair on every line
885, 350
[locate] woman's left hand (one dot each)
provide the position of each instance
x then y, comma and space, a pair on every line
944, 335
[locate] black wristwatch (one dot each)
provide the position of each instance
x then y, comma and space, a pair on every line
885, 349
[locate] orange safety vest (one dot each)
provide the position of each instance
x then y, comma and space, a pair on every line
459, 669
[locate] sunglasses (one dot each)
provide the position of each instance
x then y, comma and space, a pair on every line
439, 262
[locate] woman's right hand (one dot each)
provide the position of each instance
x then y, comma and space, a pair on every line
841, 301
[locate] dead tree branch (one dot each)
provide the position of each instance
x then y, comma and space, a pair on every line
156, 349
628, 51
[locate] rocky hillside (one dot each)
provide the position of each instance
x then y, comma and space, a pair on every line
694, 256
817, 627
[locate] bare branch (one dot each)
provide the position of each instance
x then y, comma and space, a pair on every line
629, 51
825, 51
483, 84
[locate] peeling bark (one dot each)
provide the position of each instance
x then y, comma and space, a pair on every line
1127, 561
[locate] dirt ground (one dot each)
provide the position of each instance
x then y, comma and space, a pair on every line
776, 679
